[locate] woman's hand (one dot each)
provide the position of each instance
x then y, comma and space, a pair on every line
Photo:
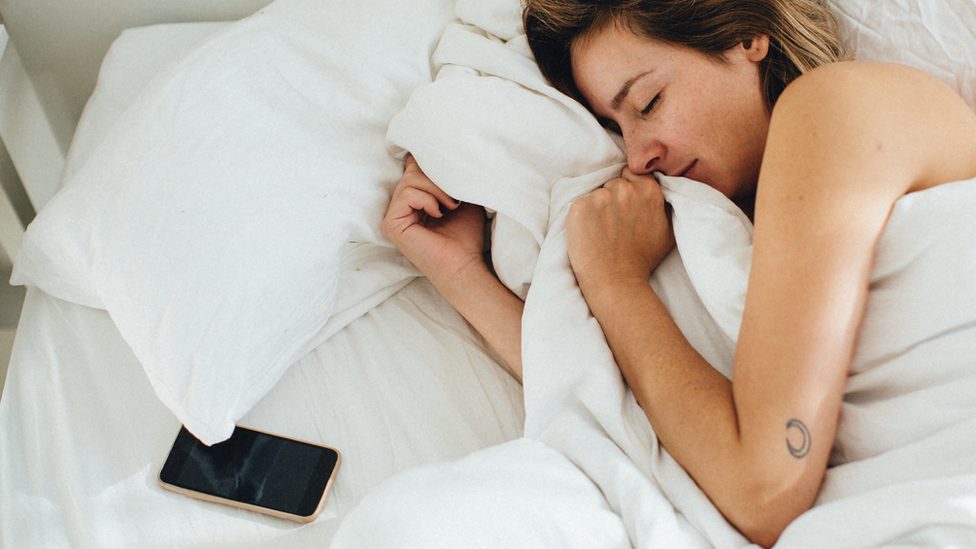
445, 240
619, 233
440, 236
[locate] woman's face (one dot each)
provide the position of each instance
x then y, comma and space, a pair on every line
679, 111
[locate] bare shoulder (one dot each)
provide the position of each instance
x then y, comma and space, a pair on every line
875, 86
863, 76
887, 108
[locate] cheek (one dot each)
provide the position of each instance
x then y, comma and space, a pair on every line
684, 128
662, 131
699, 114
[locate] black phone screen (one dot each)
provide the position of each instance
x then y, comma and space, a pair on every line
253, 467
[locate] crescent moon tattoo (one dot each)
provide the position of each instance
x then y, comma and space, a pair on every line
804, 448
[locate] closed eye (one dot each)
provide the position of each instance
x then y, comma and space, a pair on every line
650, 106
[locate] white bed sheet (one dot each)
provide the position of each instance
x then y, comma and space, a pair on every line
83, 434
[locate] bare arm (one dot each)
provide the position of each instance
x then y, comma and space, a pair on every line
445, 239
758, 446
491, 308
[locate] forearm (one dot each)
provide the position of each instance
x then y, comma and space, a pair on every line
491, 308
690, 405
688, 402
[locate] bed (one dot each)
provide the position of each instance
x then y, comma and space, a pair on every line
213, 258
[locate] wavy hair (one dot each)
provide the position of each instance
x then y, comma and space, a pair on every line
802, 33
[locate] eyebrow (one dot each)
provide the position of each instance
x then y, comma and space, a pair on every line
625, 89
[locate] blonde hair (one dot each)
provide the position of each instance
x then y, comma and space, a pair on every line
802, 33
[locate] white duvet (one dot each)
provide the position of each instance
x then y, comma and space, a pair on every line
490, 131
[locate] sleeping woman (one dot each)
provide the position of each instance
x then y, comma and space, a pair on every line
755, 99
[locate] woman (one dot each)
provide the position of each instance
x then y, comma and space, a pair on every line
754, 101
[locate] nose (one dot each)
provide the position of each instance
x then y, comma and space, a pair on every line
645, 153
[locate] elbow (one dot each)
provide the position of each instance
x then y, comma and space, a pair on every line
759, 526
766, 508
762, 534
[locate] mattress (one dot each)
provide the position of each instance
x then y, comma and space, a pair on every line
84, 435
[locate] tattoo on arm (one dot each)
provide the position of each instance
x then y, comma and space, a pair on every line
797, 438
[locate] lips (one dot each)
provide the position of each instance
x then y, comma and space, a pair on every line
687, 169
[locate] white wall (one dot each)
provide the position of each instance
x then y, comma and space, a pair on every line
62, 42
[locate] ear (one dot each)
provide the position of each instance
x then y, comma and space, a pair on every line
756, 48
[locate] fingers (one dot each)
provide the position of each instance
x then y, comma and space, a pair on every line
415, 200
646, 183
414, 177
632, 177
633, 189
410, 164
409, 206
412, 198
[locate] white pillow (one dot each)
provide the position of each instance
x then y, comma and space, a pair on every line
134, 59
214, 220
938, 36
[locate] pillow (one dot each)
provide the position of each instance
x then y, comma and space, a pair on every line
229, 221
136, 56
937, 37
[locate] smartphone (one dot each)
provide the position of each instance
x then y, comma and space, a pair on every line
254, 470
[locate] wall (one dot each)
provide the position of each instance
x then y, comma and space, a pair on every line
62, 42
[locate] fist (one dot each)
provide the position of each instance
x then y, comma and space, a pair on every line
439, 235
619, 233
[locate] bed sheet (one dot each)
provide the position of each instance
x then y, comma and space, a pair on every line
83, 434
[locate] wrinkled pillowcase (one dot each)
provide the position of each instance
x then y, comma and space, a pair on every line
229, 221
